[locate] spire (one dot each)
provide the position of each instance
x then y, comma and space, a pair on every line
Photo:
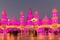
54, 15
21, 18
4, 13
36, 17
46, 20
29, 17
4, 19
29, 14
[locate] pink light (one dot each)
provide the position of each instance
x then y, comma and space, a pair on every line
4, 19
22, 18
13, 21
54, 21
46, 20
4, 14
21, 14
29, 17
54, 14
29, 14
36, 15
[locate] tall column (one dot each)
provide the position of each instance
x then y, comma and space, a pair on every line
29, 17
54, 15
4, 22
54, 18
36, 17
4, 19
22, 18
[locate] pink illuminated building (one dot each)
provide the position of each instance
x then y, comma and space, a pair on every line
31, 19
36, 17
32, 26
21, 18
54, 16
4, 18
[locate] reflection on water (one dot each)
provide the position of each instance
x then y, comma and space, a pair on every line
29, 36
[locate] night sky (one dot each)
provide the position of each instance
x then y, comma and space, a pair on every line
13, 7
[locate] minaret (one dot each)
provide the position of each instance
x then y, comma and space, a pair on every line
36, 19
22, 18
36, 15
54, 16
29, 17
4, 19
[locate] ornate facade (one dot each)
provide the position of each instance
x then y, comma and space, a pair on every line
32, 21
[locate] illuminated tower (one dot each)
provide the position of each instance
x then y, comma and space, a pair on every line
54, 16
29, 17
4, 19
21, 18
36, 19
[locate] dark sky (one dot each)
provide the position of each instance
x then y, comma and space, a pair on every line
13, 7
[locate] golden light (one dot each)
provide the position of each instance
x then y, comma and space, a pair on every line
34, 19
